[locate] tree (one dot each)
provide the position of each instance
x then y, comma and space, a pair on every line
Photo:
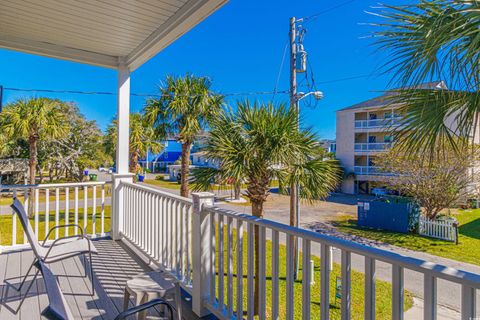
259, 143
435, 182
142, 139
184, 109
80, 148
33, 120
426, 41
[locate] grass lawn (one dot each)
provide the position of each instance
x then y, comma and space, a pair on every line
163, 183
383, 289
6, 224
467, 250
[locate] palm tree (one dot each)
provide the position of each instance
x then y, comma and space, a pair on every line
427, 41
185, 107
33, 120
260, 143
142, 139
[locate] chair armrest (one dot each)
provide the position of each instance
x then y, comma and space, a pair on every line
54, 243
62, 226
145, 306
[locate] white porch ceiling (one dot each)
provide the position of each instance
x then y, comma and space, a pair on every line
99, 32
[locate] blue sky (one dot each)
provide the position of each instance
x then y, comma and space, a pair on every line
240, 47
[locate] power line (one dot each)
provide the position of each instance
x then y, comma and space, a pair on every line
136, 94
349, 78
335, 7
280, 69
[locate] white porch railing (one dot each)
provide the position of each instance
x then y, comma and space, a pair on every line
55, 204
159, 224
200, 244
440, 229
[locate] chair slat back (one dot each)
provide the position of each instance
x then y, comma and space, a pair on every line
18, 207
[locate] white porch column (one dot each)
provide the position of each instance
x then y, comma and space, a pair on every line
122, 156
123, 119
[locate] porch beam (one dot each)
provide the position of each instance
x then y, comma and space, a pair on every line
57, 51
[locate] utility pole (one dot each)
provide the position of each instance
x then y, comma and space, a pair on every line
294, 196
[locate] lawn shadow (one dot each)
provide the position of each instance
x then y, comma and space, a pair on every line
470, 229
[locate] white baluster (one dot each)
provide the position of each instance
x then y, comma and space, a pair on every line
14, 222
239, 313
290, 294
47, 211
369, 289
85, 209
275, 273
67, 209
221, 258
229, 267
306, 279
397, 292
429, 297
469, 308
57, 211
212, 256
37, 196
75, 209
102, 217
261, 272
250, 270
325, 282
346, 285
94, 212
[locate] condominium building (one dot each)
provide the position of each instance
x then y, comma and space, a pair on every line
362, 133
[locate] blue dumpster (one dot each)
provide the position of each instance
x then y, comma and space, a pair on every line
387, 214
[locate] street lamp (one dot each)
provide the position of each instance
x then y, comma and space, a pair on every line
318, 95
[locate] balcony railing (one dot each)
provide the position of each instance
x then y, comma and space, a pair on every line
376, 123
368, 170
372, 146
199, 243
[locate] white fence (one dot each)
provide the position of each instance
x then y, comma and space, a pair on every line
440, 229
202, 245
55, 204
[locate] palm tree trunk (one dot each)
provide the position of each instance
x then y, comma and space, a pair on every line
257, 211
134, 164
237, 189
32, 144
185, 170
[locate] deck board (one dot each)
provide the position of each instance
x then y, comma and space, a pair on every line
30, 306
113, 266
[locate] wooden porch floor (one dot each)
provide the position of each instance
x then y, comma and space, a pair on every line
113, 266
